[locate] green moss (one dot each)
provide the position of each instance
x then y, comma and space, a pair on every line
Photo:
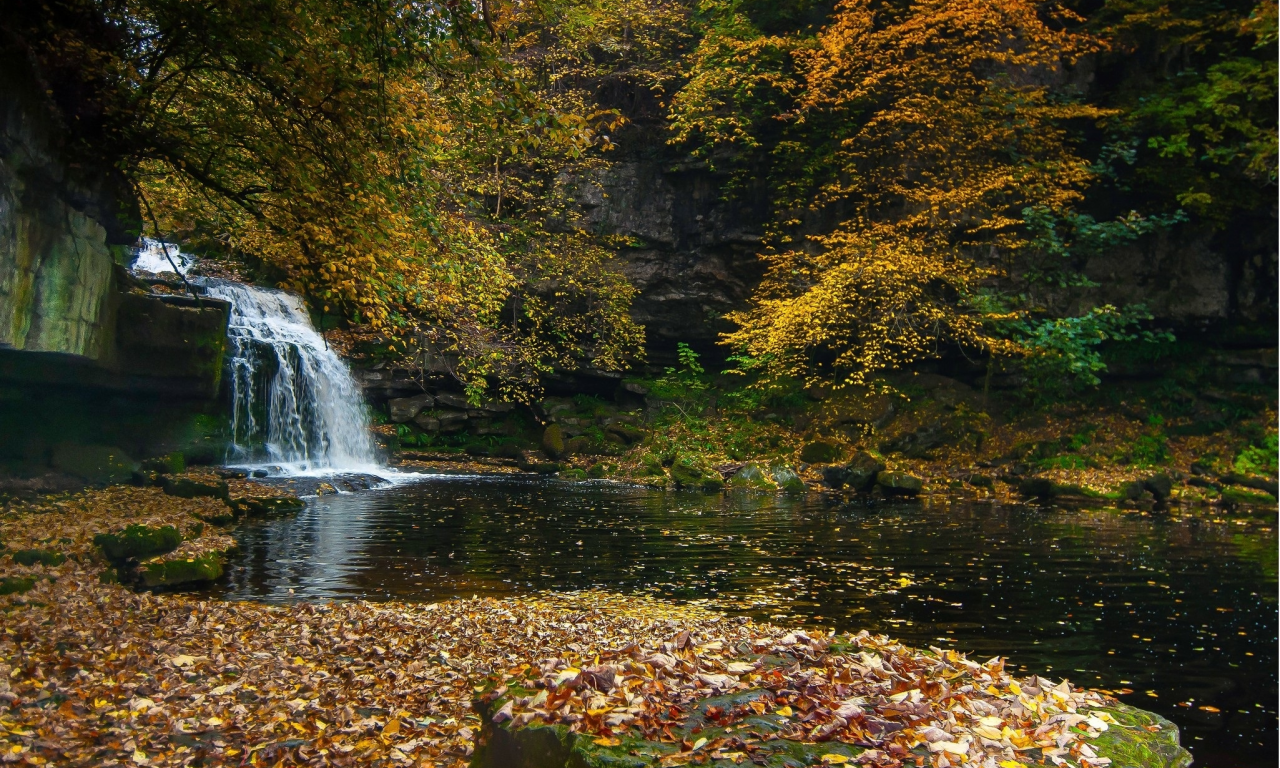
753, 477
1244, 496
16, 585
46, 557
573, 474
1132, 745
169, 573
138, 541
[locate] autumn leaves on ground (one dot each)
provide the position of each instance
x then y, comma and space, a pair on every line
94, 673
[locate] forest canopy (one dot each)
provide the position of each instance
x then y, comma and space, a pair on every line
936, 170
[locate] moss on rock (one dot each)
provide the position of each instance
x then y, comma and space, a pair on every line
46, 557
181, 571
138, 541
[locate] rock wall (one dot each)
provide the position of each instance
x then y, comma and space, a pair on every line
92, 364
693, 258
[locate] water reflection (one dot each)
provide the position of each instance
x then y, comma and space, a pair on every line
1177, 615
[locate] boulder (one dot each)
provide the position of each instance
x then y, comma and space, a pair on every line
427, 422
753, 477
403, 409
835, 476
787, 479
863, 469
625, 433
819, 452
1161, 486
553, 441
915, 444
162, 573
899, 484
172, 464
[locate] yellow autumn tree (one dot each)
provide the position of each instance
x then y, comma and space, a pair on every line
909, 138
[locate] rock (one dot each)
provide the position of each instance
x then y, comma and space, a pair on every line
819, 452
45, 557
1037, 487
186, 488
553, 441
787, 479
103, 464
16, 585
1249, 481
453, 400
899, 484
451, 421
497, 406
403, 409
915, 444
573, 474
651, 465
427, 422
1161, 486
1133, 490
634, 388
625, 433
979, 481
161, 573
835, 476
863, 469
577, 446
598, 470
687, 472
138, 541
753, 477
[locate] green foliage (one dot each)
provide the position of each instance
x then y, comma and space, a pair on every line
1259, 459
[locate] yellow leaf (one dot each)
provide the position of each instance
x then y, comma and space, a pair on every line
391, 728
834, 759
784, 711
607, 741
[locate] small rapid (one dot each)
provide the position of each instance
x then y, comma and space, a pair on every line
296, 410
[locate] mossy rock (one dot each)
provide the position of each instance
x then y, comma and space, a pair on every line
45, 557
573, 474
819, 452
178, 572
899, 484
651, 465
138, 541
270, 505
598, 470
862, 471
186, 488
173, 463
553, 441
786, 479
753, 477
16, 585
688, 472
1236, 495
1044, 488
1132, 745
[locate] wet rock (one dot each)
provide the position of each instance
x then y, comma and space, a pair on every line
863, 469
753, 477
1161, 486
835, 476
186, 488
899, 484
819, 452
553, 441
573, 474
403, 409
787, 479
980, 481
427, 422
625, 433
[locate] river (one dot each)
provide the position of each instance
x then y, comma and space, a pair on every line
1172, 613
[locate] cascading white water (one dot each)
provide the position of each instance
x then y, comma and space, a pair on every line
295, 404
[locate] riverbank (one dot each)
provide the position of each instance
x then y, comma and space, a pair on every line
95, 673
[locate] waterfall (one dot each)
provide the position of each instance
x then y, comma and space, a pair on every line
295, 405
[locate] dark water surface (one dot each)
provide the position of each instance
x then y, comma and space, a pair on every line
1174, 615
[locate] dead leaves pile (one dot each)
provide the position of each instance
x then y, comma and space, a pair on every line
93, 674
864, 690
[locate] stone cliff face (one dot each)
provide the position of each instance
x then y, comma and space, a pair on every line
693, 258
93, 368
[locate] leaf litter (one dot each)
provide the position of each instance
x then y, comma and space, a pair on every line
94, 674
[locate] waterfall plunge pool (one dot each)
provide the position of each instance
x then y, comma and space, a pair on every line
1176, 615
